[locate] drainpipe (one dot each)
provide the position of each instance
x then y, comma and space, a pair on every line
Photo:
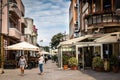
78, 9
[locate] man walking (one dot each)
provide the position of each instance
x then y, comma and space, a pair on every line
41, 61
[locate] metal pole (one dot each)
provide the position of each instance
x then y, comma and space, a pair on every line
76, 52
2, 55
1, 42
61, 55
83, 61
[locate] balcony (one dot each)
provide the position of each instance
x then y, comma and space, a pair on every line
23, 22
103, 19
13, 32
14, 10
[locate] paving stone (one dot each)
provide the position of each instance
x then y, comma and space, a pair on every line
52, 72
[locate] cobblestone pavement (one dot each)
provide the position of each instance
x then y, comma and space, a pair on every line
51, 72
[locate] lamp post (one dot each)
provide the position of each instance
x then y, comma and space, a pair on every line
1, 41
41, 46
2, 5
2, 36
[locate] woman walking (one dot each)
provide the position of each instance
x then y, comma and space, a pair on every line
22, 64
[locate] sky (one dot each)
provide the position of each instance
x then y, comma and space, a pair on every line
50, 17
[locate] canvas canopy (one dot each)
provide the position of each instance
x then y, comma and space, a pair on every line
22, 46
68, 42
109, 38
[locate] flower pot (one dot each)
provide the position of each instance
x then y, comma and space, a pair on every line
115, 69
73, 67
65, 67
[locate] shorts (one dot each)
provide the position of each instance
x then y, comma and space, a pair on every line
22, 66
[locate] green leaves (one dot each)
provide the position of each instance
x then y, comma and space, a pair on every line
97, 62
72, 61
56, 39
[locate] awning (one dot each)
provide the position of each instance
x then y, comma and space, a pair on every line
84, 44
22, 46
109, 38
71, 41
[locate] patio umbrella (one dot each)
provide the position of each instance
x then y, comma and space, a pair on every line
22, 46
44, 52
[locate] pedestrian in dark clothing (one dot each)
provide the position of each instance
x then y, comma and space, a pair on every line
46, 58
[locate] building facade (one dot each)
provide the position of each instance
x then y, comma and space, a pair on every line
29, 29
34, 35
13, 30
12, 24
73, 19
101, 19
99, 31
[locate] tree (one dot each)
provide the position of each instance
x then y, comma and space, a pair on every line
56, 40
46, 48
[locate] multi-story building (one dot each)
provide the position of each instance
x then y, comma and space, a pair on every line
34, 35
98, 28
102, 17
13, 22
73, 19
29, 29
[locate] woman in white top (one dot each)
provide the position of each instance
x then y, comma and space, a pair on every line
22, 64
41, 61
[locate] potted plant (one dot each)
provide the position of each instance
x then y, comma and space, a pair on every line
65, 59
73, 63
98, 63
114, 62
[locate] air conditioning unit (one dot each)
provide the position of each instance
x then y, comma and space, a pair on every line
76, 5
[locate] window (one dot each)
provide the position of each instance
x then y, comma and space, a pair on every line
99, 19
107, 5
94, 19
90, 20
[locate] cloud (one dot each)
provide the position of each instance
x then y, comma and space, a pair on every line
50, 17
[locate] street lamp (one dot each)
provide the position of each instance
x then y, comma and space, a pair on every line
41, 46
1, 40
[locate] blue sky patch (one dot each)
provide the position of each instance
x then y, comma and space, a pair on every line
50, 17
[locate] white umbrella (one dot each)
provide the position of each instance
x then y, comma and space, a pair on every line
22, 46
44, 52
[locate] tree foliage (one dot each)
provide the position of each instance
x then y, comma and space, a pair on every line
56, 40
46, 48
